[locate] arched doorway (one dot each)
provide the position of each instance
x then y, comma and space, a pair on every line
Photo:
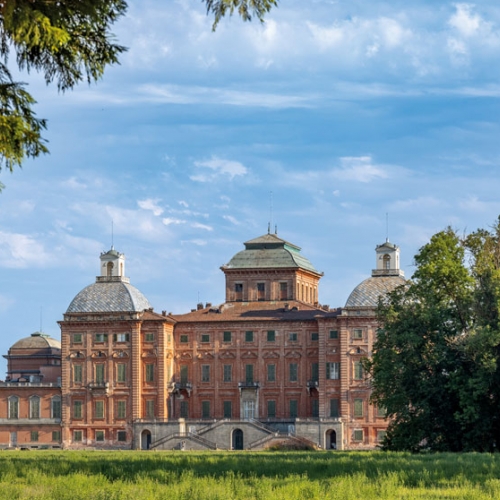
331, 440
145, 440
237, 439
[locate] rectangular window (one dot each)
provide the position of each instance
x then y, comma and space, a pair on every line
55, 407
184, 339
315, 408
271, 373
315, 372
271, 336
228, 373
333, 371
334, 334
358, 435
293, 372
35, 407
205, 338
13, 407
100, 337
121, 372
358, 370
227, 337
271, 409
205, 373
184, 409
283, 291
381, 411
99, 409
184, 374
121, 409
357, 333
381, 436
314, 336
358, 408
292, 337
77, 374
248, 336
77, 409
249, 374
228, 409
121, 337
150, 408
205, 409
261, 291
99, 373
121, 436
34, 436
238, 292
77, 338
293, 408
334, 408
150, 372
56, 436
77, 436
99, 436
148, 337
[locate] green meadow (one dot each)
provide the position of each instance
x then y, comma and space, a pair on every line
242, 475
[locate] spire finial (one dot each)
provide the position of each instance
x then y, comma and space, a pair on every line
387, 227
112, 236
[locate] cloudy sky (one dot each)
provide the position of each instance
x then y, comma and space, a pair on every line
321, 121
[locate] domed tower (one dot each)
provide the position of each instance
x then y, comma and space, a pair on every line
36, 358
271, 269
113, 373
384, 279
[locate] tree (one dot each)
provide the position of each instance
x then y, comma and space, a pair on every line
68, 41
435, 363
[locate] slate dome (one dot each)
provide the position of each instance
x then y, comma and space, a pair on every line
109, 296
368, 292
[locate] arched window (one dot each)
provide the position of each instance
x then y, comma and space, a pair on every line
110, 269
387, 261
34, 407
55, 407
13, 407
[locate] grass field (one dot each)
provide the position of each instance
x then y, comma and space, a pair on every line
241, 475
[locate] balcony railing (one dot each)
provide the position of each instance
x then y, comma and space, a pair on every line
312, 384
248, 384
181, 386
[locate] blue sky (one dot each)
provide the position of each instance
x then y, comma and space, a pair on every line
344, 110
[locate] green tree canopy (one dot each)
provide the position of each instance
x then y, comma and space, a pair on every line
435, 365
68, 41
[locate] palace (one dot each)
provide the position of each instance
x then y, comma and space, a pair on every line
269, 366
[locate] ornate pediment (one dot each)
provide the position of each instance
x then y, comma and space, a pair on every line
79, 355
312, 353
293, 354
205, 355
271, 355
99, 354
149, 354
357, 351
120, 354
249, 355
227, 355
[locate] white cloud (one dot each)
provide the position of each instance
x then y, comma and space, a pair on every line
359, 169
219, 166
422, 203
22, 251
197, 242
151, 204
231, 219
465, 21
73, 183
168, 221
198, 225
183, 203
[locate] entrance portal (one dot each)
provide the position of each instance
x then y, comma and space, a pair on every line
145, 440
331, 440
237, 439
